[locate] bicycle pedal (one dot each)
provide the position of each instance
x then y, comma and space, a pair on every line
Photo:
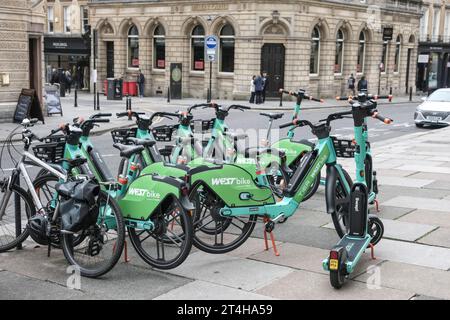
94, 248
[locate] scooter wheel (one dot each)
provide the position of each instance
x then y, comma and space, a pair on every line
375, 229
337, 277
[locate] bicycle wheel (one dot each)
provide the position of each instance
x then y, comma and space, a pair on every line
13, 228
44, 185
170, 242
224, 234
103, 243
341, 213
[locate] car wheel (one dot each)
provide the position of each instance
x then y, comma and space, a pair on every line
419, 125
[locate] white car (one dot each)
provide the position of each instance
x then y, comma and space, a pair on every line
435, 110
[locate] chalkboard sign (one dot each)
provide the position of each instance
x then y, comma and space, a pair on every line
52, 99
28, 106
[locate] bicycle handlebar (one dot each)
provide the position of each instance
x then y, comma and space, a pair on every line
99, 115
201, 105
366, 96
239, 107
163, 114
301, 94
128, 113
385, 120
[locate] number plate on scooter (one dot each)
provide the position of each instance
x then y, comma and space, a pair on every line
334, 264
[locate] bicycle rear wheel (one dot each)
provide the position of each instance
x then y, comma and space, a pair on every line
13, 228
103, 244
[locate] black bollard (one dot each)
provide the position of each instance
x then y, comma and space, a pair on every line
98, 100
168, 94
281, 99
75, 103
410, 93
390, 90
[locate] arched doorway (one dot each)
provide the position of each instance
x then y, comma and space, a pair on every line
272, 62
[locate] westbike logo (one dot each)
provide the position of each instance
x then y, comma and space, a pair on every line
149, 194
230, 181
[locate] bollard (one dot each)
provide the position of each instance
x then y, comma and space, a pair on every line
168, 94
75, 103
208, 96
390, 90
98, 100
281, 99
410, 93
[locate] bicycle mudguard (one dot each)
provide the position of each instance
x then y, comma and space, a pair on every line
330, 188
147, 193
292, 149
234, 185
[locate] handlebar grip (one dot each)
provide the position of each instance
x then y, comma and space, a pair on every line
377, 116
100, 121
287, 125
344, 98
388, 97
121, 114
314, 99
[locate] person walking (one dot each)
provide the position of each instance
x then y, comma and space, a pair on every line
265, 85
351, 85
259, 86
362, 84
55, 77
68, 81
141, 83
252, 90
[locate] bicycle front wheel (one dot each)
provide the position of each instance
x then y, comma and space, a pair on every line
19, 207
103, 241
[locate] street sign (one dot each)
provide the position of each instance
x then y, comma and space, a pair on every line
211, 44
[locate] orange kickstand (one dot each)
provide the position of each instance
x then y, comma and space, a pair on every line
125, 258
272, 238
372, 251
377, 205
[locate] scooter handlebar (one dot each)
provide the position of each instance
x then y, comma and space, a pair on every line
385, 120
305, 96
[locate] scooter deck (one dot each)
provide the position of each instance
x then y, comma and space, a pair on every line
354, 246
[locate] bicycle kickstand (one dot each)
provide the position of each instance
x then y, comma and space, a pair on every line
125, 257
372, 251
272, 239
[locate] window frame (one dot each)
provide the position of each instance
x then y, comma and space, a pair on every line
220, 49
339, 40
84, 19
364, 43
191, 38
318, 41
66, 19
129, 37
384, 52
398, 54
52, 20
155, 37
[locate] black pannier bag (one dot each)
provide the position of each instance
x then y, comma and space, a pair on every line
78, 205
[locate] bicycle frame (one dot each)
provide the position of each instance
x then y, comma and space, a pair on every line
21, 169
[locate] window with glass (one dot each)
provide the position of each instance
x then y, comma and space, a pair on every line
133, 47
198, 51
159, 48
339, 56
315, 52
227, 49
66, 12
84, 18
398, 49
384, 56
50, 19
361, 53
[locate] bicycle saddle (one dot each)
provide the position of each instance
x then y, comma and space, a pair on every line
273, 116
128, 151
73, 163
142, 142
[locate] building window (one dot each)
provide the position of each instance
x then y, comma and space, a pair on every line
50, 19
198, 51
339, 55
424, 26
361, 53
133, 47
159, 48
227, 49
398, 52
84, 18
315, 52
66, 11
436, 23
384, 56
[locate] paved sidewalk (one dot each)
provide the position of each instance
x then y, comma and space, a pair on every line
413, 259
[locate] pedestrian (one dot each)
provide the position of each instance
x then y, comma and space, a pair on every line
351, 85
55, 77
141, 83
68, 81
252, 90
362, 84
265, 85
259, 86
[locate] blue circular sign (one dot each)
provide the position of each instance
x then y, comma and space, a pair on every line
211, 42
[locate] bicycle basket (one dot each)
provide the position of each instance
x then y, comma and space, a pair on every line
163, 133
206, 125
55, 138
50, 152
345, 148
166, 152
122, 135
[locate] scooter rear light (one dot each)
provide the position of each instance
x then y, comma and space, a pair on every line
334, 255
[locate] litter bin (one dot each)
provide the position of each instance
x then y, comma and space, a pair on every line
132, 88
110, 92
105, 87
118, 89
125, 88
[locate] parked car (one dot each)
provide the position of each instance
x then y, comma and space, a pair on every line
435, 109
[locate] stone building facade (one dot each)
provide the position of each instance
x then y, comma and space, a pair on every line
21, 59
307, 44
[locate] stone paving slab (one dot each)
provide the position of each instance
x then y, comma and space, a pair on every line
432, 176
17, 287
252, 246
201, 290
304, 285
417, 279
393, 213
230, 271
389, 192
439, 185
420, 203
440, 238
393, 173
404, 182
412, 253
426, 168
437, 218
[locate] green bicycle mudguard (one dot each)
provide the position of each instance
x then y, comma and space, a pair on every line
292, 149
147, 193
234, 185
166, 170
